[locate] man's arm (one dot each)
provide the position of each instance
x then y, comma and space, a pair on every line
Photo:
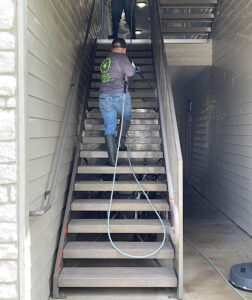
128, 67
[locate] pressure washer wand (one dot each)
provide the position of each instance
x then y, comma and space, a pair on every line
125, 85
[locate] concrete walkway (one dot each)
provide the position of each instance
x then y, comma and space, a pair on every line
218, 238
221, 240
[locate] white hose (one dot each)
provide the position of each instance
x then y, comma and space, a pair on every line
142, 189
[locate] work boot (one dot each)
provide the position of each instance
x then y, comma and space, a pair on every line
111, 148
125, 129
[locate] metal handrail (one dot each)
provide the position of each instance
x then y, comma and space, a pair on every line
172, 151
71, 98
171, 144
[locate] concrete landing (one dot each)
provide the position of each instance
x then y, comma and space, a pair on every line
212, 233
218, 238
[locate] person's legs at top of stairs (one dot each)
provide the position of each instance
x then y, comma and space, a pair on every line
130, 8
117, 9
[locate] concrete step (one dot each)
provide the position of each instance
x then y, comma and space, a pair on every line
149, 76
138, 61
119, 205
126, 186
139, 94
117, 277
117, 226
96, 169
104, 250
138, 103
131, 128
144, 68
133, 54
135, 115
101, 140
122, 154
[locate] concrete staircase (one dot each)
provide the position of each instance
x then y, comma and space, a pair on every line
87, 257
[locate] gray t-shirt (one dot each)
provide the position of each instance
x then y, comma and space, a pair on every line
113, 69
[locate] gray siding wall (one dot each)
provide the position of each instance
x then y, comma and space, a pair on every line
55, 31
192, 53
221, 153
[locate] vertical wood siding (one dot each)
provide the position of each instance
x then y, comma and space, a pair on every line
221, 156
55, 31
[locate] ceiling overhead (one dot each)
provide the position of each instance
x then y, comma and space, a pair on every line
187, 19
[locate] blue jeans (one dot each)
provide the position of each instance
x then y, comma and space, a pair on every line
110, 105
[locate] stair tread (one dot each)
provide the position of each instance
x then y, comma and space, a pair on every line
135, 115
122, 154
135, 100
139, 94
144, 68
133, 54
132, 127
106, 250
137, 60
117, 226
136, 84
133, 121
137, 104
101, 140
127, 186
117, 277
119, 205
140, 169
148, 76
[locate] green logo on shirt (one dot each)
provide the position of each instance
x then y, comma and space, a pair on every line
104, 68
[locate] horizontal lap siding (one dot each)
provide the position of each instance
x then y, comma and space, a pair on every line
189, 54
221, 153
55, 32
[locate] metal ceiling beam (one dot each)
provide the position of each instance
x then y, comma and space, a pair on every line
186, 17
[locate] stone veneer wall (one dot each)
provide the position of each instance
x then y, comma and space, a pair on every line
8, 149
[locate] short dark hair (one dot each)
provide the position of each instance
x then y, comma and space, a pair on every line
119, 43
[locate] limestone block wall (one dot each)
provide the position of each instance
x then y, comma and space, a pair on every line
8, 150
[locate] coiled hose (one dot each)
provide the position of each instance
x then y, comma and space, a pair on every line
142, 189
